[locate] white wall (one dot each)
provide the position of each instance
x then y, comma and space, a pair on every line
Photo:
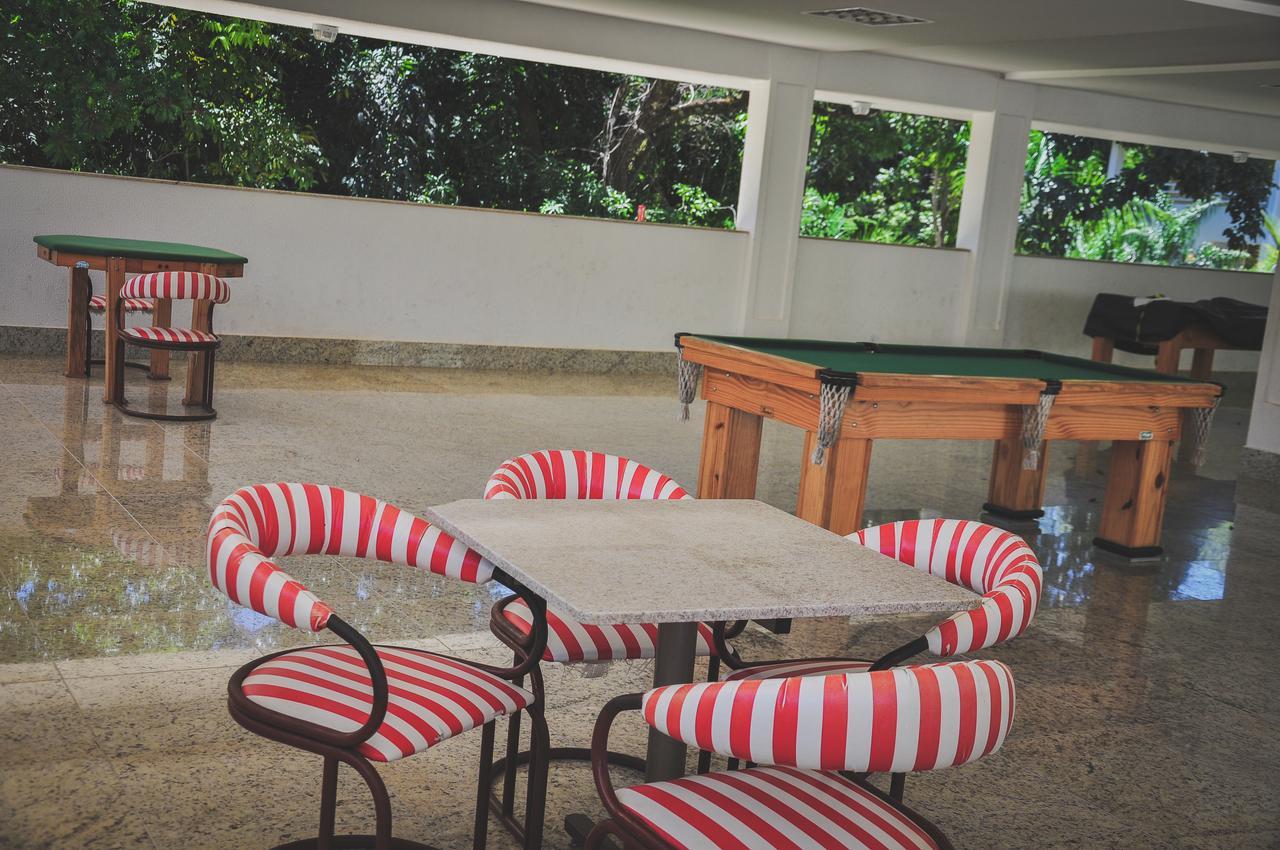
1049, 299
338, 267
862, 291
1264, 423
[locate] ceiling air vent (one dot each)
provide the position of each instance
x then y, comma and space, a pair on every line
869, 17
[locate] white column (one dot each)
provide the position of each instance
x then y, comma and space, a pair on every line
769, 197
1264, 423
988, 222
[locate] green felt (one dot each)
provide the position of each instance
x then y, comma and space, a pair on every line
104, 246
850, 358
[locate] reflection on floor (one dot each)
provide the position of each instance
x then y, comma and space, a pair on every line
1148, 695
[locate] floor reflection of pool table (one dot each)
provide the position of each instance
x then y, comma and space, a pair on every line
941, 393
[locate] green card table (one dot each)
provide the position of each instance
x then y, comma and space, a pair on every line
118, 258
847, 395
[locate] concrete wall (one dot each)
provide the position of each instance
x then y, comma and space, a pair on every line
339, 267
1264, 423
889, 293
1049, 299
346, 268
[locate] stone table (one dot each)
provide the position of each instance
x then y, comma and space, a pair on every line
678, 563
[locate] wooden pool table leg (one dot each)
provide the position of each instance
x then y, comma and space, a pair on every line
1014, 492
1167, 356
730, 453
1103, 349
832, 493
77, 322
1202, 364
1133, 508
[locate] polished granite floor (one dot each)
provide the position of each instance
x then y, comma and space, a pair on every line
1148, 709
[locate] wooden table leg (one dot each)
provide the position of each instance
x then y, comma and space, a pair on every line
161, 317
673, 665
832, 493
1167, 355
1087, 452
1137, 488
78, 292
1202, 364
1015, 492
112, 389
201, 316
1103, 349
730, 453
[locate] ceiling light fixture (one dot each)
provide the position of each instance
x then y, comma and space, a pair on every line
869, 17
1240, 157
328, 33
861, 107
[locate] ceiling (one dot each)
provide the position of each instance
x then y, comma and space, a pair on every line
1217, 53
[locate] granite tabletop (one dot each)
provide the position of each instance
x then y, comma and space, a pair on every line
642, 561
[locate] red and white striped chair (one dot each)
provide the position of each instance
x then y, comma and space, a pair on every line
357, 703
575, 474
807, 735
988, 560
176, 286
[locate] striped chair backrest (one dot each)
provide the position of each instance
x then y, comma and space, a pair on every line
263, 521
579, 474
991, 561
897, 720
189, 286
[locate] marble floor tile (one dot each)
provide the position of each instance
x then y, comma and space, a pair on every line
1147, 712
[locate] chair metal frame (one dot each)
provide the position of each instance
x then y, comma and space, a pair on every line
209, 349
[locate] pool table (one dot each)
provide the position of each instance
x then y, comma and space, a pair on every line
872, 391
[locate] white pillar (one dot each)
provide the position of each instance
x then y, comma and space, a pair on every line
1264, 423
988, 222
772, 189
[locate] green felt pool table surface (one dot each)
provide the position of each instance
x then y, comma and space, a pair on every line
851, 358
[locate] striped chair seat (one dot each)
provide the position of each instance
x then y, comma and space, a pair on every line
569, 641
431, 697
775, 807
167, 335
785, 669
98, 304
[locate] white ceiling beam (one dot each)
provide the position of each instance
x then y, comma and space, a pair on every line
1252, 6
1149, 71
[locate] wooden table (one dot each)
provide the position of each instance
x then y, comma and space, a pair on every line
941, 393
118, 258
678, 563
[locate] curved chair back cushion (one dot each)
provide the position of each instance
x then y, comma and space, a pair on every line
191, 286
578, 474
897, 720
991, 561
266, 520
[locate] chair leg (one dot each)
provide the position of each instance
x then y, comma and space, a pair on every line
208, 380
328, 803
513, 757
536, 793
480, 834
381, 802
897, 786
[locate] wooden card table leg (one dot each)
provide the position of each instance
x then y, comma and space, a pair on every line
1103, 349
730, 453
161, 317
1202, 364
1014, 492
673, 665
1167, 355
833, 492
78, 292
1133, 507
112, 384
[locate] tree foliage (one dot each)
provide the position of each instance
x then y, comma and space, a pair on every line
884, 177
125, 87
1067, 190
